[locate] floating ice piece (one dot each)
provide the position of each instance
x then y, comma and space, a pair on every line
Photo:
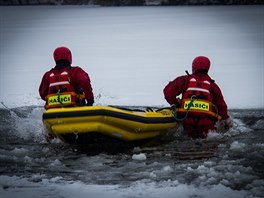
237, 146
140, 156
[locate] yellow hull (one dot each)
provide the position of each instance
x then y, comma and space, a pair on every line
109, 121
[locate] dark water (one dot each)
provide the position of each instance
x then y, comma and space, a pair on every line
234, 159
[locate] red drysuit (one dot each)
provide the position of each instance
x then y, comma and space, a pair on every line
197, 124
78, 79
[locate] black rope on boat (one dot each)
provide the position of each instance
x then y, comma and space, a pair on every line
126, 109
164, 108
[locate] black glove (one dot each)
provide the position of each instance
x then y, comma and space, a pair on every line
89, 102
224, 125
228, 123
178, 102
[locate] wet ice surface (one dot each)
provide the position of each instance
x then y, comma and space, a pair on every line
30, 165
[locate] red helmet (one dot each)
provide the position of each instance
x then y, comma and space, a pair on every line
200, 62
62, 53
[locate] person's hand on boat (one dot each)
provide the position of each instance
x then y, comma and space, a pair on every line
89, 102
178, 102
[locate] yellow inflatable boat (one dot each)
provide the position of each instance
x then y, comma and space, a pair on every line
83, 124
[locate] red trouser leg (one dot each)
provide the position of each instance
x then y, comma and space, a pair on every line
198, 128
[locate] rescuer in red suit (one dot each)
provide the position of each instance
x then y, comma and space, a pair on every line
202, 103
65, 85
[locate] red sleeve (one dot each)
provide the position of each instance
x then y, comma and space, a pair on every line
44, 86
218, 100
80, 79
175, 88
